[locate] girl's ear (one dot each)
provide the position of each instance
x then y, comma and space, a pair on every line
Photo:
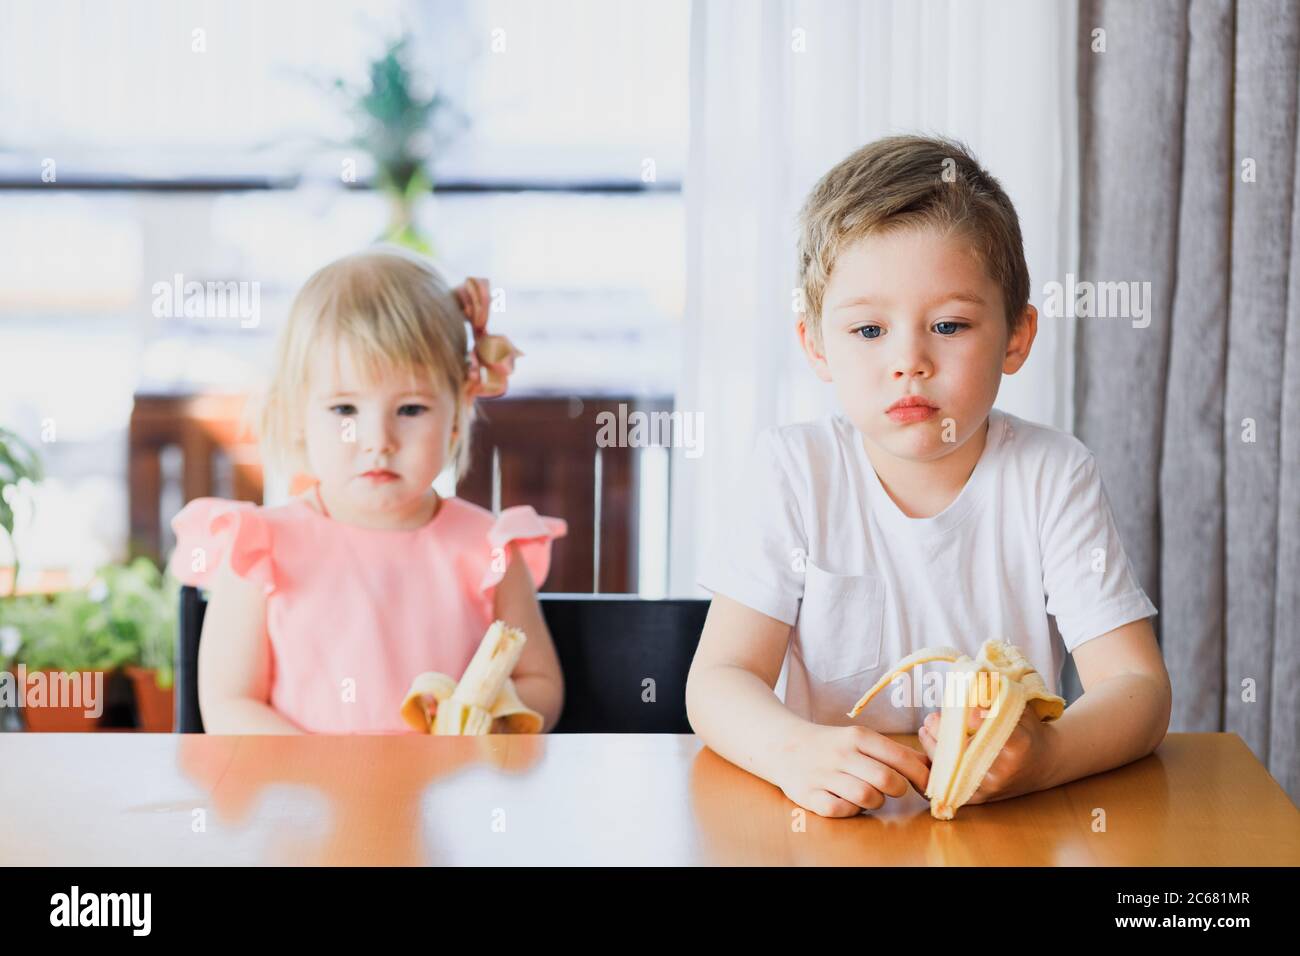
464, 402
471, 386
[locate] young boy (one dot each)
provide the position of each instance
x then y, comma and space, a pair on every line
918, 515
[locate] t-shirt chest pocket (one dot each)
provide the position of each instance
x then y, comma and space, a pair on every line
841, 623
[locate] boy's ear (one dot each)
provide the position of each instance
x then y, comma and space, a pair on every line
1019, 344
816, 360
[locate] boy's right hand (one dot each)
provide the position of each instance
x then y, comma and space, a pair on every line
841, 771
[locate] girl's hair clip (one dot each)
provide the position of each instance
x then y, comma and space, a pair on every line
492, 358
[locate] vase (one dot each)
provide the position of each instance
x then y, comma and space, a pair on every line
155, 707
64, 719
403, 215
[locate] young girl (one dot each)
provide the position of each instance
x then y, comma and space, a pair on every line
321, 611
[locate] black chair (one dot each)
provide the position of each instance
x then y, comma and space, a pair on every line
624, 659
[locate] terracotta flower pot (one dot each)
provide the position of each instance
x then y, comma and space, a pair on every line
67, 720
154, 706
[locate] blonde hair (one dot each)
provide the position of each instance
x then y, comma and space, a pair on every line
905, 181
396, 311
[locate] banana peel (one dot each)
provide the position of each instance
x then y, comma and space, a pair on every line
483, 701
962, 757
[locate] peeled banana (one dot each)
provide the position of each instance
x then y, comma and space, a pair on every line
960, 760
483, 701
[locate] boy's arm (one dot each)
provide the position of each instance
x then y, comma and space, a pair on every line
834, 771
729, 692
1123, 714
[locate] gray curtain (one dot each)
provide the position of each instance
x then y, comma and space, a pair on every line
1187, 103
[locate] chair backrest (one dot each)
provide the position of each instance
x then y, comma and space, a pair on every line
193, 605
624, 659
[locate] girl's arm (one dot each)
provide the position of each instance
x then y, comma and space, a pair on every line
235, 661
537, 676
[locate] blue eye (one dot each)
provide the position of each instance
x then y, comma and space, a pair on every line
955, 327
872, 330
418, 410
335, 408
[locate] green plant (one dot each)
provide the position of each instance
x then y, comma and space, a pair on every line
403, 131
19, 464
126, 616
66, 632
141, 603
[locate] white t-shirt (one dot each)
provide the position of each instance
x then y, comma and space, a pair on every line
812, 538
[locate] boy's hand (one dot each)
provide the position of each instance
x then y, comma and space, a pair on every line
841, 771
1019, 768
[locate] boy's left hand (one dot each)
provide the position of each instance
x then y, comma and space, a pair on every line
1020, 767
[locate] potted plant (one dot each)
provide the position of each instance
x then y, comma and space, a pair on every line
403, 130
141, 603
15, 612
20, 467
63, 639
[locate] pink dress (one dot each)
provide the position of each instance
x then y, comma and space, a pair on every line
354, 614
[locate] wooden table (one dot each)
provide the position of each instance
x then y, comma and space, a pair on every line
86, 799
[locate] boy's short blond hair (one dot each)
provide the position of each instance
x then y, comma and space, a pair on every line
902, 182
397, 313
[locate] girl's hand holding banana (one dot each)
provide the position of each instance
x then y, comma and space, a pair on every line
483, 701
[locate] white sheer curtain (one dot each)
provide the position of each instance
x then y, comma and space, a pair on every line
780, 91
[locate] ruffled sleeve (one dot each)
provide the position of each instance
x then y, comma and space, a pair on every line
207, 529
531, 534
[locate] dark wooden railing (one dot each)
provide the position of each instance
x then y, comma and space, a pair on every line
545, 456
